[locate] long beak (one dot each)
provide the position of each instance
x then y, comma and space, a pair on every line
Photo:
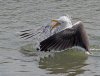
54, 23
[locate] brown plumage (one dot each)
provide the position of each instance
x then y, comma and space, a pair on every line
75, 36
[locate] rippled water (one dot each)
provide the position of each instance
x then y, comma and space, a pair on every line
17, 15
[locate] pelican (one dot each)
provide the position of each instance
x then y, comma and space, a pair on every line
64, 35
69, 36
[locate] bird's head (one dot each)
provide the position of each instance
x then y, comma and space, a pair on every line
62, 21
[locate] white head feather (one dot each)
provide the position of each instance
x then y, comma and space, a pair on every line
65, 21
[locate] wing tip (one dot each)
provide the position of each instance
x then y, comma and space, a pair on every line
78, 22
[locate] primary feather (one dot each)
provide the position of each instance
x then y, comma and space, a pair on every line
75, 36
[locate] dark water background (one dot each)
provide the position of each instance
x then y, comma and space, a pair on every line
17, 15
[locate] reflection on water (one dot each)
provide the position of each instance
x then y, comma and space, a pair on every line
69, 62
64, 62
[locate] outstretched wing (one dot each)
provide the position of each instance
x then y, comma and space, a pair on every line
45, 30
75, 36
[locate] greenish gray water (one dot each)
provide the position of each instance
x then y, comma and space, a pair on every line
17, 15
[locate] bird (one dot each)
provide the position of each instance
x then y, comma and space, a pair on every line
62, 35
68, 37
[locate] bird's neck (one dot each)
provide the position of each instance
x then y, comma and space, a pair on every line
68, 26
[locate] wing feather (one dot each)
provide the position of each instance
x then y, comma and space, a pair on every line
75, 36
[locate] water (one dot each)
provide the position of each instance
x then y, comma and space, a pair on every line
17, 15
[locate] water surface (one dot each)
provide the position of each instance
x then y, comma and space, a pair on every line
16, 15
